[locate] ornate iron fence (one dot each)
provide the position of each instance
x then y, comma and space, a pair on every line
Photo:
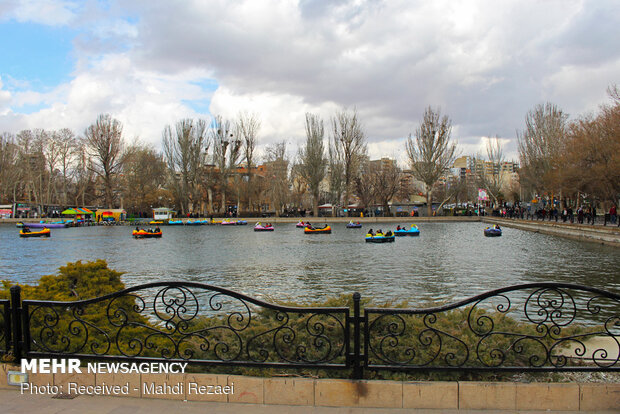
532, 327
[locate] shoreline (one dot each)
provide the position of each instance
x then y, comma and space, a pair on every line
607, 235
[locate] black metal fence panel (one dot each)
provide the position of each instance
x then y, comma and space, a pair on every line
533, 327
188, 321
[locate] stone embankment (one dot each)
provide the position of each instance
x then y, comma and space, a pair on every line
609, 235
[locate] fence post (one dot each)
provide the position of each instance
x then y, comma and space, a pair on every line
16, 319
358, 372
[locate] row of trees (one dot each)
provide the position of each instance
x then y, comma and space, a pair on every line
574, 161
205, 166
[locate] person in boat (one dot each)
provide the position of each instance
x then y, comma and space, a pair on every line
309, 226
26, 229
157, 230
268, 225
398, 227
497, 227
372, 233
389, 233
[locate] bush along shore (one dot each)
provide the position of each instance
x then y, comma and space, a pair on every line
208, 327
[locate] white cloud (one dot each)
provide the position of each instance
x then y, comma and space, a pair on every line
484, 63
48, 12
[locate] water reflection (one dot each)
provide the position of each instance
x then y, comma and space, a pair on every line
448, 261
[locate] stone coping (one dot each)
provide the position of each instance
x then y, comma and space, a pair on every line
454, 395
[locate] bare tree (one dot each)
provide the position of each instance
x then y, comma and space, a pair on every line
490, 174
312, 158
541, 145
591, 162
33, 171
247, 128
298, 183
51, 147
83, 175
432, 151
104, 143
67, 155
226, 153
387, 180
348, 136
365, 184
278, 182
144, 170
9, 171
185, 152
335, 172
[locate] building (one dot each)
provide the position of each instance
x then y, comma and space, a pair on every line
163, 213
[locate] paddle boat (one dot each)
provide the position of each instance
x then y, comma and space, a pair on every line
156, 222
318, 230
412, 231
195, 222
302, 225
263, 227
351, 225
175, 222
494, 231
144, 234
380, 237
241, 223
228, 222
25, 232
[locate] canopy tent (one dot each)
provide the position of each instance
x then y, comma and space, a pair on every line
76, 211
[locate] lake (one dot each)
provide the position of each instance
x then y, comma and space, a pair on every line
448, 261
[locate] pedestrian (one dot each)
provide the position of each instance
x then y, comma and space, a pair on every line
613, 215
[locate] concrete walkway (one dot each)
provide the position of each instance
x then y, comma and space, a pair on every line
13, 402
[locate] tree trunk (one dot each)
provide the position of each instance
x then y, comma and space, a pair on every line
249, 190
429, 203
315, 207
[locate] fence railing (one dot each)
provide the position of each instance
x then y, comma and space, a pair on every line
531, 327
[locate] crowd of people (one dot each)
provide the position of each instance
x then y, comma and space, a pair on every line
583, 215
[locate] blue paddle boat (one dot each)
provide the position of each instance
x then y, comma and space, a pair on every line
494, 231
411, 231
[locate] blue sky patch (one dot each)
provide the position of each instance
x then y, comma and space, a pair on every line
208, 86
37, 54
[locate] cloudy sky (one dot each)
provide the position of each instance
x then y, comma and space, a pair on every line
150, 63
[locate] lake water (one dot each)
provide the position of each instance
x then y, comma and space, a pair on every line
448, 261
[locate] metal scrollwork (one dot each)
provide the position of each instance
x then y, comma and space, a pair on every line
191, 322
545, 326
542, 326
